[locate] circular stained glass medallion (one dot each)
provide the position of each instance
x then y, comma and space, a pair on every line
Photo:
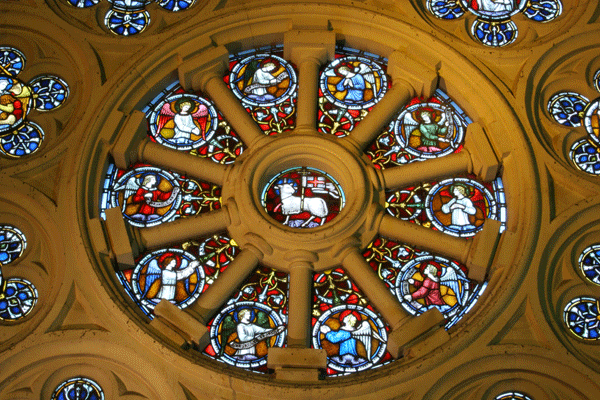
17, 99
429, 130
597, 80
584, 155
78, 389
263, 80
23, 141
432, 281
51, 92
354, 337
353, 82
147, 196
460, 206
591, 120
242, 333
543, 10
494, 9
582, 318
494, 33
184, 121
567, 108
12, 61
12, 244
171, 274
176, 5
589, 262
445, 9
18, 299
303, 197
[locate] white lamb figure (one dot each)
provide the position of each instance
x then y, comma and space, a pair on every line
292, 205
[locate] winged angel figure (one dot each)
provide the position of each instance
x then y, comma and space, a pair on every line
347, 337
183, 121
168, 269
428, 289
354, 81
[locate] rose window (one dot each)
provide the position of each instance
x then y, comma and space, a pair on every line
301, 204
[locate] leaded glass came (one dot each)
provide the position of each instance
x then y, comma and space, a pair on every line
12, 244
589, 262
567, 108
18, 298
79, 388
582, 318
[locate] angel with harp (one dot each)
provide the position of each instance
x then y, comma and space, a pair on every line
183, 121
352, 331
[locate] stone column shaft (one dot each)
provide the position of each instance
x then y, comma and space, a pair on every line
308, 92
299, 327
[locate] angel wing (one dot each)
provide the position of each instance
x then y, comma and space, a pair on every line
129, 188
409, 124
153, 273
364, 333
248, 75
450, 279
227, 329
367, 73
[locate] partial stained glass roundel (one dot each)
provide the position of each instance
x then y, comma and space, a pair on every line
18, 298
176, 5
494, 9
493, 33
543, 10
568, 108
445, 9
127, 23
242, 333
17, 101
584, 154
512, 396
353, 82
263, 80
592, 121
23, 141
183, 121
303, 197
597, 80
51, 92
430, 129
582, 318
78, 389
354, 337
459, 206
12, 61
172, 274
12, 244
83, 3
589, 262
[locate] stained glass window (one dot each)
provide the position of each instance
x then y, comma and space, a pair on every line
567, 108
424, 129
149, 196
346, 326
456, 206
582, 318
493, 26
253, 321
589, 262
18, 136
584, 155
12, 244
303, 197
512, 396
596, 80
349, 87
267, 87
591, 121
178, 274
422, 281
78, 389
19, 296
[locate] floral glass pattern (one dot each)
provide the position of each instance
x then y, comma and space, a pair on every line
589, 262
582, 318
349, 87
493, 26
12, 244
567, 108
79, 388
584, 154
303, 197
17, 299
267, 87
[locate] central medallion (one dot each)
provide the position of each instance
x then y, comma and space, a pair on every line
303, 197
